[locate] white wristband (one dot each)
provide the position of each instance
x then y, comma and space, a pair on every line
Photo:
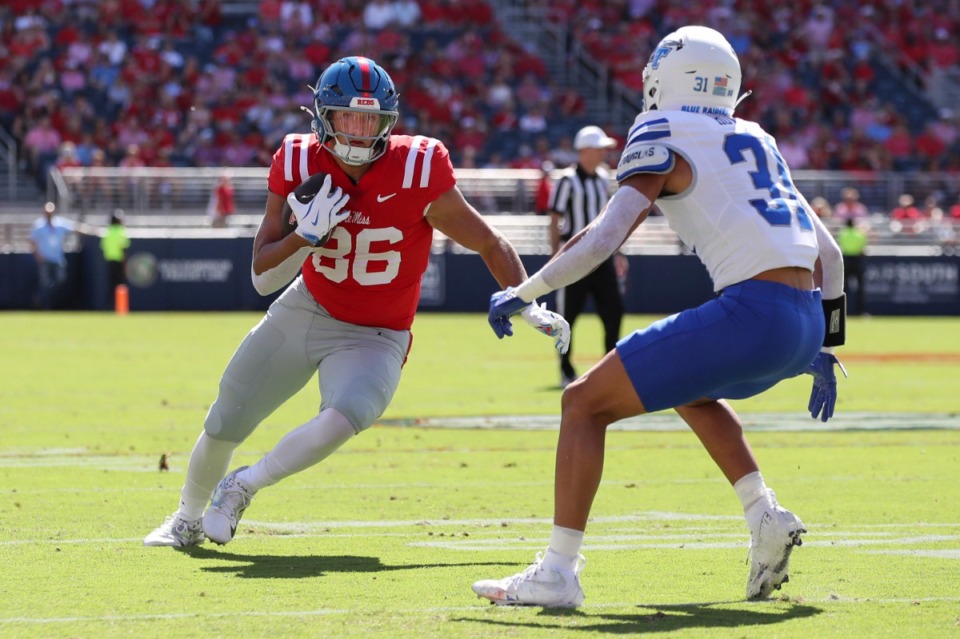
533, 288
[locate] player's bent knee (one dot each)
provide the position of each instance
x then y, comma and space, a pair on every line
227, 419
578, 407
592, 406
360, 409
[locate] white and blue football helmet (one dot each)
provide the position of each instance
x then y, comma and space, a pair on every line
692, 69
355, 101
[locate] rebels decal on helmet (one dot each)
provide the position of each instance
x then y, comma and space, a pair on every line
355, 109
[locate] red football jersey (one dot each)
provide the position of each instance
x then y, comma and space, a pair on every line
369, 271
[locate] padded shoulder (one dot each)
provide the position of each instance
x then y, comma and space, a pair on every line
645, 157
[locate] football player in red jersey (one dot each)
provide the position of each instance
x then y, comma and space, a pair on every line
356, 257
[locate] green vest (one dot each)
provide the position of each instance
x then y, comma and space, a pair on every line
114, 243
852, 241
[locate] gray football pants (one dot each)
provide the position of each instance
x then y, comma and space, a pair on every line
359, 367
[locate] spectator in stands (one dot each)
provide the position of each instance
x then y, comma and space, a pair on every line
850, 207
532, 123
347, 314
955, 214
407, 13
930, 146
114, 245
569, 103
853, 242
541, 201
563, 154
940, 224
42, 142
132, 182
577, 198
132, 56
221, 201
821, 207
900, 146
48, 240
296, 16
378, 14
906, 217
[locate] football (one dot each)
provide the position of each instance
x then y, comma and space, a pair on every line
305, 192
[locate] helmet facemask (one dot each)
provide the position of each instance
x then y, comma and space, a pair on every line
356, 136
355, 110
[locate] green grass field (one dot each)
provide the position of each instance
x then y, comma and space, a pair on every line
384, 538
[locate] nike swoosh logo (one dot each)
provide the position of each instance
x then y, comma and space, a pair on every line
384, 198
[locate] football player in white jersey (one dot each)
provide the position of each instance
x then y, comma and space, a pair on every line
725, 189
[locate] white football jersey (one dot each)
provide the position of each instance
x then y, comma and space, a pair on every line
742, 214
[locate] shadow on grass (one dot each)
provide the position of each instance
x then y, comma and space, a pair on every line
667, 618
303, 566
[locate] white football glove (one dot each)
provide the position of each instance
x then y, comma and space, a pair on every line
316, 218
549, 323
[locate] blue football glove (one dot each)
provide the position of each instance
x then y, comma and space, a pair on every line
823, 397
550, 324
503, 304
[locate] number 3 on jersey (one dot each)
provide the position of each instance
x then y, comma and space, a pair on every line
360, 267
778, 210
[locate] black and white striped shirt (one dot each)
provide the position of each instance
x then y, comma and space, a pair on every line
579, 198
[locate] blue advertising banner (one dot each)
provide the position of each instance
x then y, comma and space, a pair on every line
213, 274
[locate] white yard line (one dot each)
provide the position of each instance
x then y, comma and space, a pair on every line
478, 608
515, 533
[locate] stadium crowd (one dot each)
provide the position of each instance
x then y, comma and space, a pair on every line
812, 67
188, 83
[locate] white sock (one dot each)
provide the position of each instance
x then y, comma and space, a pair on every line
752, 490
209, 462
564, 548
300, 449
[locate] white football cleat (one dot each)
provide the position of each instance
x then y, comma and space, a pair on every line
538, 585
176, 531
773, 534
229, 501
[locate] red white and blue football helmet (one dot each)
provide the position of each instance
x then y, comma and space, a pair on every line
355, 109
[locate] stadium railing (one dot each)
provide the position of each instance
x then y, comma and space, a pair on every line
175, 202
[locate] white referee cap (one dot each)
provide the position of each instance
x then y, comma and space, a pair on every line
593, 137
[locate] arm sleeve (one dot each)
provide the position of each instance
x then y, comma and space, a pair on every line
280, 275
601, 238
831, 259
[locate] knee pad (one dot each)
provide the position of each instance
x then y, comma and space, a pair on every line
227, 419
361, 407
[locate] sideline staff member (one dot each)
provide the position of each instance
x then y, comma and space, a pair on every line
114, 245
853, 242
577, 199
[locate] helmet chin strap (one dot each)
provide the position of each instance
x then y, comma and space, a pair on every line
352, 155
742, 98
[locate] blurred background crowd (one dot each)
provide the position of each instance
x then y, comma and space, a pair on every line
851, 86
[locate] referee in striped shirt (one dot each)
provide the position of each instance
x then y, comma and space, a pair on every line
576, 200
